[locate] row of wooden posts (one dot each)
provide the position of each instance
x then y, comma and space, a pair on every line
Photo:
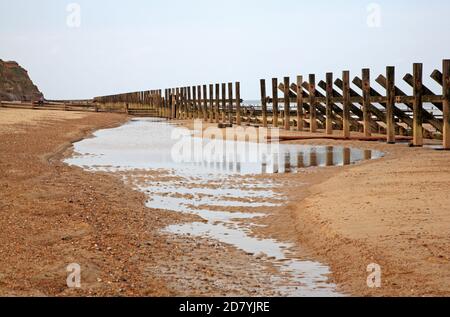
346, 110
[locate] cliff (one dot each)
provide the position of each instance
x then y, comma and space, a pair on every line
15, 84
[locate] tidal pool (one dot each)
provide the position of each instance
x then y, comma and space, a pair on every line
220, 187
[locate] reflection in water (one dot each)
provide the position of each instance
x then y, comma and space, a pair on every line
329, 155
126, 147
294, 160
346, 153
212, 189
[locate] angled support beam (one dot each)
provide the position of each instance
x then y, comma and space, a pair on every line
427, 117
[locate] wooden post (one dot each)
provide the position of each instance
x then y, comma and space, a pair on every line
194, 102
205, 103
287, 104
418, 105
366, 101
329, 104
238, 103
390, 94
185, 104
230, 101
211, 103
300, 114
224, 102
217, 106
312, 103
446, 102
275, 102
346, 103
172, 105
189, 103
199, 102
263, 102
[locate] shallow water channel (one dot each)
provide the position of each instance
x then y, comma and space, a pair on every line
221, 187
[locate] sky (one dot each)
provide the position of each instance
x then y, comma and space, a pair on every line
85, 48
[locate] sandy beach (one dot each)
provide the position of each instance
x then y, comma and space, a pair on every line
392, 211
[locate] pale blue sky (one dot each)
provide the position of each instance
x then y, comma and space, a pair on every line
137, 45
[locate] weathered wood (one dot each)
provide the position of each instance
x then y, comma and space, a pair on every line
427, 93
230, 103
355, 97
408, 101
238, 103
366, 102
320, 110
390, 93
337, 113
189, 97
312, 104
217, 103
287, 104
300, 113
224, 102
205, 103
346, 103
263, 102
418, 105
446, 102
199, 102
382, 100
329, 96
193, 102
211, 103
275, 102
177, 106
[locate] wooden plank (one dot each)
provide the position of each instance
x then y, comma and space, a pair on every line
217, 103
211, 103
275, 102
446, 102
230, 103
189, 98
300, 113
427, 93
401, 97
356, 98
263, 101
205, 103
390, 93
382, 100
329, 102
287, 104
194, 102
366, 102
312, 104
199, 102
238, 103
224, 102
320, 110
346, 103
418, 105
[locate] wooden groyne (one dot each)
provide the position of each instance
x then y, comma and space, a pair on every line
320, 106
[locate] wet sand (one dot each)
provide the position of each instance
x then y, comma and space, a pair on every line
392, 212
